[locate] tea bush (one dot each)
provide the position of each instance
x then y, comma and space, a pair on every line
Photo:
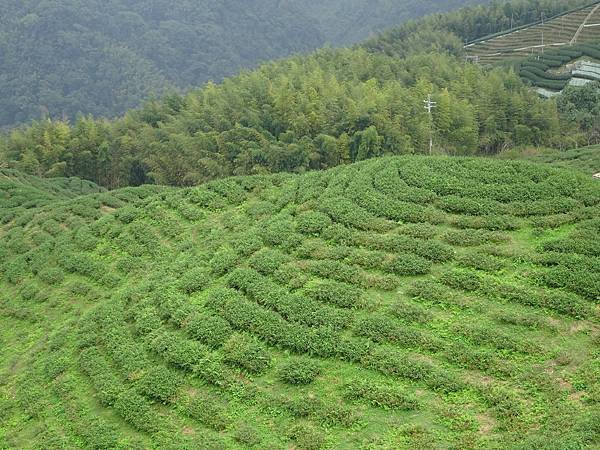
411, 312
246, 352
466, 280
293, 307
176, 350
207, 409
333, 292
194, 280
386, 396
159, 383
267, 261
481, 261
312, 222
380, 328
138, 412
307, 437
209, 329
298, 371
429, 290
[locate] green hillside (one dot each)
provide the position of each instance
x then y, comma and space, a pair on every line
65, 57
405, 302
312, 112
586, 159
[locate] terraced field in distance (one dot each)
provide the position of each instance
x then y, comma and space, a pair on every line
582, 26
397, 303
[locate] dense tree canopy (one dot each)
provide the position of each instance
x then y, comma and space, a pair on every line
303, 113
63, 57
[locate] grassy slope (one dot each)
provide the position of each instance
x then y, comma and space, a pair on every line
464, 312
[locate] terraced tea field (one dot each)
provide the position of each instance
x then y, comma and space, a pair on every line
577, 27
586, 159
406, 302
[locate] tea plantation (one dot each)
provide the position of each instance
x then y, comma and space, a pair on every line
397, 303
586, 159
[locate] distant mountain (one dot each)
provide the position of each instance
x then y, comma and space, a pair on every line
66, 57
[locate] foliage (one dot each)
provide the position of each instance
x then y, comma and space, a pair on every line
298, 371
306, 337
246, 352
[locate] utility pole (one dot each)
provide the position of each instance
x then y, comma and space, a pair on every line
542, 32
429, 105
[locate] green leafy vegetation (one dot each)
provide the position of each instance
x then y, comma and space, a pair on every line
304, 310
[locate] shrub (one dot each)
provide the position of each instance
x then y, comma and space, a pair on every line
207, 328
29, 291
429, 290
248, 243
147, 320
480, 261
419, 230
280, 232
206, 409
312, 222
212, 369
223, 261
399, 364
504, 402
51, 275
246, 352
289, 275
298, 370
293, 307
332, 415
334, 292
386, 396
160, 383
106, 384
381, 328
267, 261
178, 351
407, 264
247, 436
471, 238
410, 312
136, 410
466, 280
307, 437
491, 222
337, 271
491, 335
345, 212
467, 357
194, 280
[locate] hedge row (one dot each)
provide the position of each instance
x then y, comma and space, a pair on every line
386, 396
293, 307
381, 328
398, 264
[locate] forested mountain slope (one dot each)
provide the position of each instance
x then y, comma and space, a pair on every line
318, 111
96, 57
407, 302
